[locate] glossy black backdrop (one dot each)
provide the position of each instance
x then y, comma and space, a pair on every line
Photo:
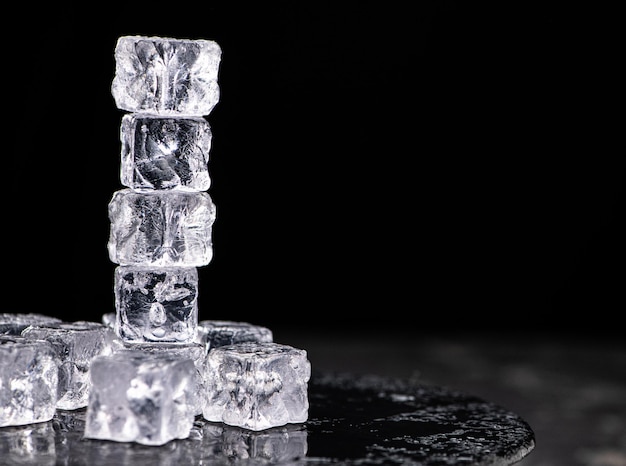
420, 165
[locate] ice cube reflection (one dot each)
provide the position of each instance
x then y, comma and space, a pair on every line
61, 442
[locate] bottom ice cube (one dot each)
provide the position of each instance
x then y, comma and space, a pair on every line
140, 396
257, 385
28, 381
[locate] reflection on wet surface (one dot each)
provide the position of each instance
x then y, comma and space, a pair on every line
353, 420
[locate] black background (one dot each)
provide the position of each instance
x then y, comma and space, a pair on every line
413, 166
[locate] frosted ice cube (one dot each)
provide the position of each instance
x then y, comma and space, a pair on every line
75, 345
28, 380
156, 304
165, 153
161, 228
166, 75
257, 385
193, 351
214, 333
138, 396
13, 324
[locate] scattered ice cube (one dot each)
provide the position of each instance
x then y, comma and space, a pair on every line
193, 351
75, 345
28, 380
140, 396
161, 228
165, 153
214, 333
13, 324
257, 385
156, 304
165, 75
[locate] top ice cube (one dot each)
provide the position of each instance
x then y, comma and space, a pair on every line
166, 76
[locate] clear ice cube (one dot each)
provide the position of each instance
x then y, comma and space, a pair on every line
139, 396
165, 75
165, 153
156, 304
75, 345
257, 385
13, 324
161, 228
214, 333
28, 380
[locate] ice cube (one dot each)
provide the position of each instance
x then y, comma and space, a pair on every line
193, 351
165, 75
75, 345
161, 228
13, 324
165, 153
140, 396
257, 385
214, 333
156, 304
28, 380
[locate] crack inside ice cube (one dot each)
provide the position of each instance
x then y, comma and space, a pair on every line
165, 153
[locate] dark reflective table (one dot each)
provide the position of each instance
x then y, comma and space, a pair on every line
353, 420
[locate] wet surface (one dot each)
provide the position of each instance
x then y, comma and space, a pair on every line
570, 388
365, 420
371, 420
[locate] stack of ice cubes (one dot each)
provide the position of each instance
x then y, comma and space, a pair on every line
150, 390
169, 367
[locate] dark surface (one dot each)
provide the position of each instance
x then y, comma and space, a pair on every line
443, 158
571, 390
352, 420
